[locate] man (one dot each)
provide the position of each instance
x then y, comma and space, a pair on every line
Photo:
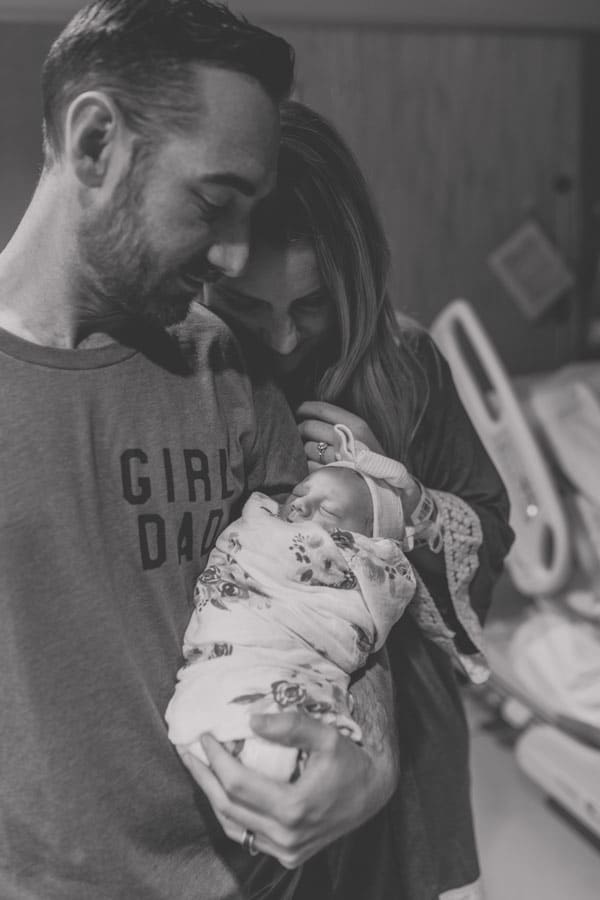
125, 449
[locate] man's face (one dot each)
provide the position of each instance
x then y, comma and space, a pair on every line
180, 214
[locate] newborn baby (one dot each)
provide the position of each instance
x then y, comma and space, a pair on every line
293, 600
335, 498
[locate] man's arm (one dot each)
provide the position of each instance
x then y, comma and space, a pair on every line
341, 787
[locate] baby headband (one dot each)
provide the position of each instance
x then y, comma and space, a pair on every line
383, 476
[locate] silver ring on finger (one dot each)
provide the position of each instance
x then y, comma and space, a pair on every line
321, 448
249, 842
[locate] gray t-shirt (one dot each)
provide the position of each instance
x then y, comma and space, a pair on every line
117, 474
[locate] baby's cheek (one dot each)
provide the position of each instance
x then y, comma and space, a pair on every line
337, 524
319, 519
356, 523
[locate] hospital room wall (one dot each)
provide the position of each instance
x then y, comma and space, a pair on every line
22, 51
463, 135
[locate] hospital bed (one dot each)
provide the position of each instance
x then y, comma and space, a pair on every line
543, 433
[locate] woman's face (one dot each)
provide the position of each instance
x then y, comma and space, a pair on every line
280, 299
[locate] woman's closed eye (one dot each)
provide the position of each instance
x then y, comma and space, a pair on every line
238, 302
313, 303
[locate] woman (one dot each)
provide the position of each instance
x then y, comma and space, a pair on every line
314, 297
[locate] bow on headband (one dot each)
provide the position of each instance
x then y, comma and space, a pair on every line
365, 461
385, 478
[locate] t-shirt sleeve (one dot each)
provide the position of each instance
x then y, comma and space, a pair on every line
273, 453
447, 455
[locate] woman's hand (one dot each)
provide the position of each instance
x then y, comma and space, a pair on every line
315, 423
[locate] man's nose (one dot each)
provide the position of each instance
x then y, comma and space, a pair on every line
229, 254
281, 335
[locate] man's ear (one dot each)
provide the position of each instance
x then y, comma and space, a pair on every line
94, 130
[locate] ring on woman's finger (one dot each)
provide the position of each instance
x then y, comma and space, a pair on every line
249, 842
321, 448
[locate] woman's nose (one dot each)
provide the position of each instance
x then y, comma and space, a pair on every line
281, 336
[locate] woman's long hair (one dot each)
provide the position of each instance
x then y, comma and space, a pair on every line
370, 366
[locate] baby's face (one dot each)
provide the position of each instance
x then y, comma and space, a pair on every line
333, 497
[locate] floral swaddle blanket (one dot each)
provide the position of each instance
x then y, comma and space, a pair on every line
284, 614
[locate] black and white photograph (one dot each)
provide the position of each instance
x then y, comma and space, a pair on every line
300, 449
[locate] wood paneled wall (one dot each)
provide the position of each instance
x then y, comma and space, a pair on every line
22, 52
461, 135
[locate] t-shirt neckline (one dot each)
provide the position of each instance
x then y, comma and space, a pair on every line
63, 358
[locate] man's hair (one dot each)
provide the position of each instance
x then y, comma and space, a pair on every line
142, 52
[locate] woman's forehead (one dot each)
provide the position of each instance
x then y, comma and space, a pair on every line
278, 275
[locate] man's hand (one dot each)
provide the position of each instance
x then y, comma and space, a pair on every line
342, 784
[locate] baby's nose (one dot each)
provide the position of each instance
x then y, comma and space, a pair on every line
302, 508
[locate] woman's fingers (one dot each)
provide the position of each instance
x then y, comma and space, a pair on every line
315, 430
326, 412
318, 438
316, 420
319, 454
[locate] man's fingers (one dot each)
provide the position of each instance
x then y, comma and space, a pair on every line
250, 789
276, 836
287, 819
295, 729
224, 809
205, 779
193, 764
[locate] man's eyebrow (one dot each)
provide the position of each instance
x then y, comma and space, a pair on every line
245, 186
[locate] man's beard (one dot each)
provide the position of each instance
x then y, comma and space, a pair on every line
119, 266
